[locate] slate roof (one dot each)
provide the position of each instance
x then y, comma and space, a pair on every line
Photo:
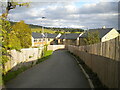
70, 36
118, 31
37, 35
102, 32
48, 35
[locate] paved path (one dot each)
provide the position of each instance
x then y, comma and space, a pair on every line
59, 71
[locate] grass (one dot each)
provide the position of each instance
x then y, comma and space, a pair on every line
40, 30
12, 74
47, 54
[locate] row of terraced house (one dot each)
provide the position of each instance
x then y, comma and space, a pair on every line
105, 34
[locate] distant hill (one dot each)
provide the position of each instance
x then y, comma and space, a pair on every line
68, 29
37, 28
34, 26
30, 25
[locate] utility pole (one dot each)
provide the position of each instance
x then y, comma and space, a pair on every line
43, 35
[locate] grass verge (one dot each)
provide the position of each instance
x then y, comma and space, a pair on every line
47, 54
12, 74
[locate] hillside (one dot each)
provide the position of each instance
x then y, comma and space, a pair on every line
37, 28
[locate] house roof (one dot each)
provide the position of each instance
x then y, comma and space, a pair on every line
37, 35
48, 35
40, 35
102, 32
70, 36
118, 31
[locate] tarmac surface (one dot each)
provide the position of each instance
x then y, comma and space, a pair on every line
59, 71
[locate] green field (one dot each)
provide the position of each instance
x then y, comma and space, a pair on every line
40, 30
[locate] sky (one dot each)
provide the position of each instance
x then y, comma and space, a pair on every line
85, 14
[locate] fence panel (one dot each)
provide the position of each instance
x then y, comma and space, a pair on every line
109, 49
104, 59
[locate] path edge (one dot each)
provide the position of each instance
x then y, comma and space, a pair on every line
83, 70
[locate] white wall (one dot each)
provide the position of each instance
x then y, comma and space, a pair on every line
110, 35
32, 41
55, 47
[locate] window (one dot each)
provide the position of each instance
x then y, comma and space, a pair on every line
48, 39
35, 40
43, 39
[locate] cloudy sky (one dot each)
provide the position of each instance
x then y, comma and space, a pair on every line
69, 13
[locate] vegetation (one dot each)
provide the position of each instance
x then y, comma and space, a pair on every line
13, 37
36, 28
92, 38
16, 37
4, 39
46, 55
39, 30
23, 32
7, 36
14, 41
71, 30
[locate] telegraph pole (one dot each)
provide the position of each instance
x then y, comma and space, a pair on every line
43, 35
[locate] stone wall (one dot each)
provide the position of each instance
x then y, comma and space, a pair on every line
22, 58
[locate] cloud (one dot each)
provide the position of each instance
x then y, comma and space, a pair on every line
68, 14
103, 7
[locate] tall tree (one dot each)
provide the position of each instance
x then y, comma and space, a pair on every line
23, 32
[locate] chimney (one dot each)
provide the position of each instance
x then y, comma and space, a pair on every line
104, 27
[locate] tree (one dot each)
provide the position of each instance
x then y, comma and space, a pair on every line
14, 41
92, 37
5, 29
5, 35
23, 32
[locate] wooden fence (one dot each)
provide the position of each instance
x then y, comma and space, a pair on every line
109, 49
107, 66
